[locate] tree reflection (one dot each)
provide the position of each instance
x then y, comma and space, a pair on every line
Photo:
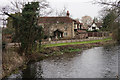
33, 71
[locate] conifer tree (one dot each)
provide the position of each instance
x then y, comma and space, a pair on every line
27, 31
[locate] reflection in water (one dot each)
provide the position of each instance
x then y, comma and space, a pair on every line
97, 62
32, 71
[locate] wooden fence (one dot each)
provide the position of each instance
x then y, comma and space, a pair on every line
98, 34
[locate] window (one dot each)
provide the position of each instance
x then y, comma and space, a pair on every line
75, 26
65, 34
80, 26
94, 28
65, 28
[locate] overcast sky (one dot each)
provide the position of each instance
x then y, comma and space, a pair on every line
77, 8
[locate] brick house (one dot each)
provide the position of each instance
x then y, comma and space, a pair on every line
59, 27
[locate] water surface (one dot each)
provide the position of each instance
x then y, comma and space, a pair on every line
98, 62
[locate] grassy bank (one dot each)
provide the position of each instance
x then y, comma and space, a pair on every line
74, 43
73, 47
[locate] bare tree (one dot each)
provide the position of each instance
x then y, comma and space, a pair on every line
18, 5
45, 8
110, 4
61, 12
86, 20
113, 3
113, 17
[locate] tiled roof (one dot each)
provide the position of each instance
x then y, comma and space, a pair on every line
55, 20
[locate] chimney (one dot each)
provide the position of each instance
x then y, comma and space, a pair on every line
68, 14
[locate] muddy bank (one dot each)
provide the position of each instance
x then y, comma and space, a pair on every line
12, 62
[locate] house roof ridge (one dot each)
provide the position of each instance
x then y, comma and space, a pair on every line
54, 19
57, 17
52, 16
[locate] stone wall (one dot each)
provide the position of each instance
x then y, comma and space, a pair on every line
72, 40
66, 28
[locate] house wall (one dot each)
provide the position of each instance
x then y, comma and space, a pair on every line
66, 28
72, 30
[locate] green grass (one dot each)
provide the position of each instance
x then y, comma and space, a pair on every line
74, 43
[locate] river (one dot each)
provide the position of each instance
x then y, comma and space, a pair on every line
97, 62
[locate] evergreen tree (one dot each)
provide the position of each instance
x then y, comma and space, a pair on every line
27, 31
109, 21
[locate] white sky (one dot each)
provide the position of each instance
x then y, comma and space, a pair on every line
77, 8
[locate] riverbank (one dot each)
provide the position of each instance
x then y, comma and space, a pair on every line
13, 62
66, 49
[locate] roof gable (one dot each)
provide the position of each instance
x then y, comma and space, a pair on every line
94, 25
